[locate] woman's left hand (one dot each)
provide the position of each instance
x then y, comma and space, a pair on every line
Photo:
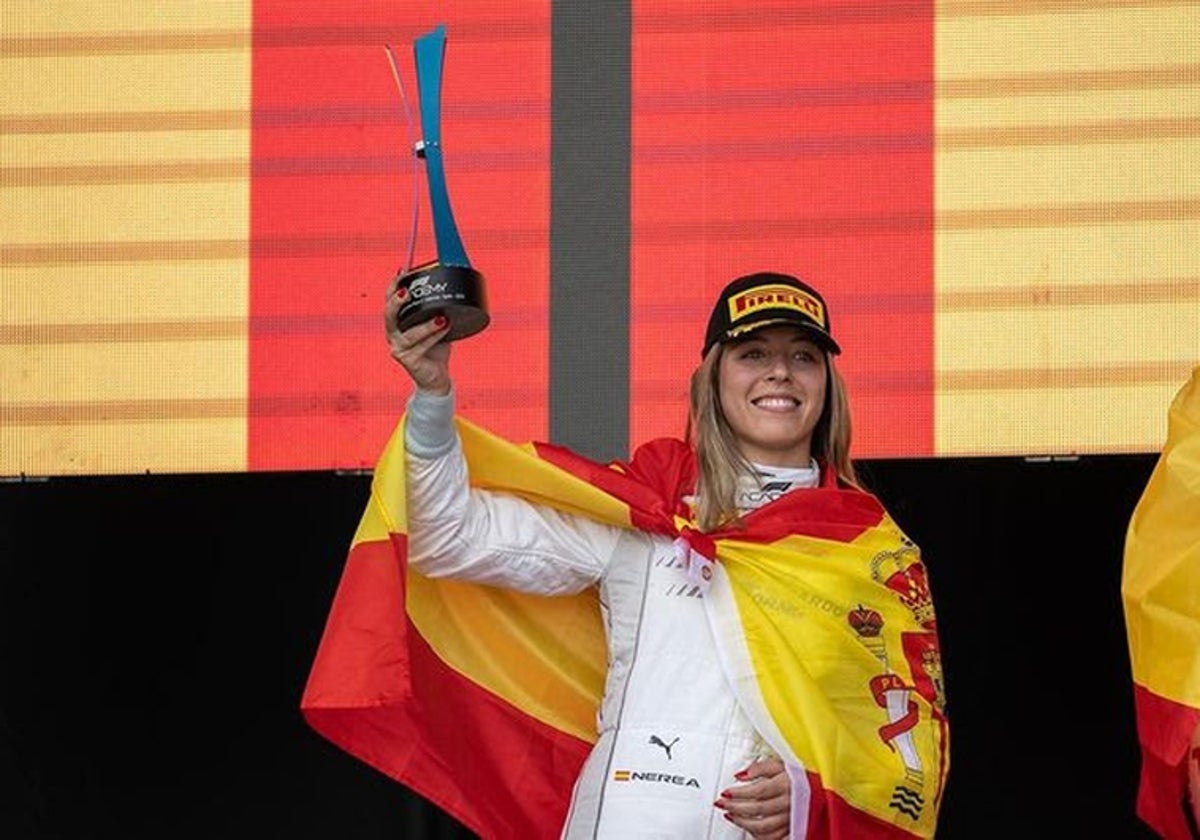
762, 804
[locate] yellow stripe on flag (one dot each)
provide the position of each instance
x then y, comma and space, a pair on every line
814, 676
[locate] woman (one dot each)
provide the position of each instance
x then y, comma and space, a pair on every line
697, 737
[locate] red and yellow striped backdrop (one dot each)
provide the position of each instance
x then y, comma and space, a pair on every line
201, 205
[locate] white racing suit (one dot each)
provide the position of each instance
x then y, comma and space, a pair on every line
671, 734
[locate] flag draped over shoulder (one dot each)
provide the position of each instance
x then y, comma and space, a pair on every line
484, 700
1160, 579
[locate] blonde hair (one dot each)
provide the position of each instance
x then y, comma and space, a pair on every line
720, 461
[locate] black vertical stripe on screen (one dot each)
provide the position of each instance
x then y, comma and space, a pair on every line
589, 226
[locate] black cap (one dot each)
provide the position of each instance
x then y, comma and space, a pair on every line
764, 299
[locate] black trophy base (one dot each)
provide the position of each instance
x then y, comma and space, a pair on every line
456, 291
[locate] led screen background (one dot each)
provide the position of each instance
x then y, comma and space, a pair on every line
204, 202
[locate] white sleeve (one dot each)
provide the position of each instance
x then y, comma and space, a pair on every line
495, 538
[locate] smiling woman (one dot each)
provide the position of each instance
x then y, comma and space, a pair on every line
767, 392
708, 555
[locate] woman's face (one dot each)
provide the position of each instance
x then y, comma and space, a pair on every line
772, 389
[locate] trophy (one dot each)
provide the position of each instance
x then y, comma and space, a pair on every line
448, 285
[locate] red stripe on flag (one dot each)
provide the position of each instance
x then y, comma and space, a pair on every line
663, 472
1164, 732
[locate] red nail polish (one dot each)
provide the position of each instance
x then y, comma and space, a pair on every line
741, 775
440, 321
728, 816
719, 804
402, 293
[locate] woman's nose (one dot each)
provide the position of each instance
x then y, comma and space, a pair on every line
778, 369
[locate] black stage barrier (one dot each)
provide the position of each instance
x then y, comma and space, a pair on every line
156, 633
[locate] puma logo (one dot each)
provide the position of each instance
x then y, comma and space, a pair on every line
658, 742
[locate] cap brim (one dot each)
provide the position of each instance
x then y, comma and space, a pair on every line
818, 335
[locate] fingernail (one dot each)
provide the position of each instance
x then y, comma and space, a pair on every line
728, 816
440, 321
724, 794
719, 804
402, 293
741, 775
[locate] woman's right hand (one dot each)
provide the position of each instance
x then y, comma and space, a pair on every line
419, 349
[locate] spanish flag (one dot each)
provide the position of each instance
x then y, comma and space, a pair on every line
1160, 580
484, 700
